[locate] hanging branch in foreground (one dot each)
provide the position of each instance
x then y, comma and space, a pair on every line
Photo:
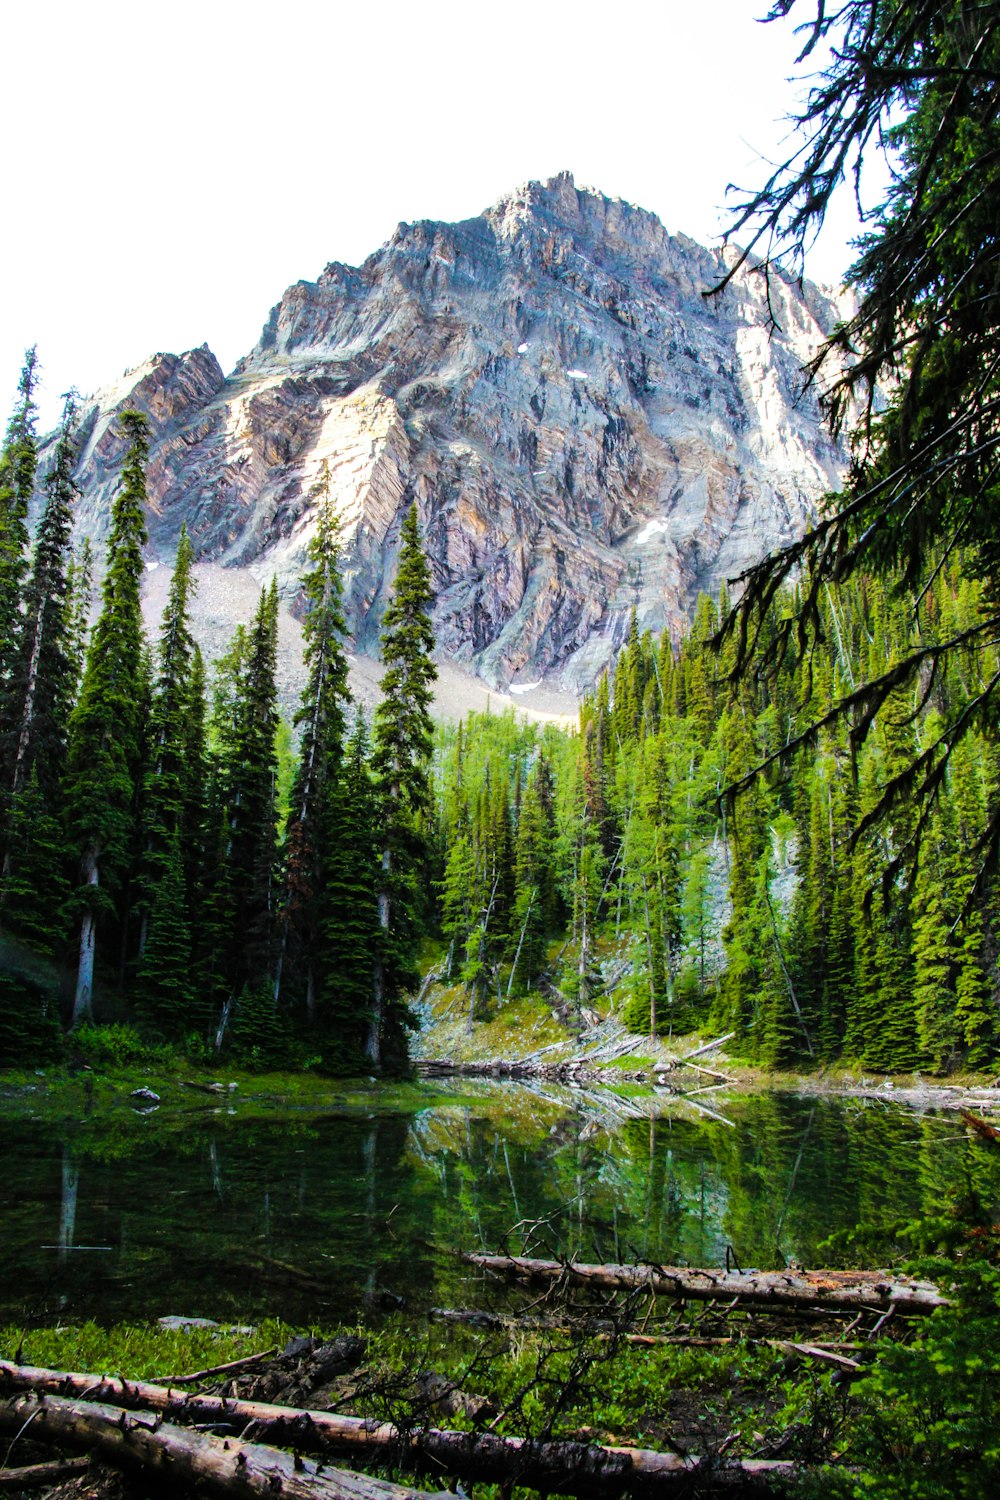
832, 1290
573, 1468
915, 88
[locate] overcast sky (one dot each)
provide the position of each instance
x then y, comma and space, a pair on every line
170, 168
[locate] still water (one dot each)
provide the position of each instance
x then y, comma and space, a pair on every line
318, 1219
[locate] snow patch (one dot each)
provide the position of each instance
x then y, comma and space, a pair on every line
525, 687
657, 527
151, 567
522, 348
577, 374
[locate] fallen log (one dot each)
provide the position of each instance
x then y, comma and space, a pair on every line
39, 1476
981, 1127
248, 1471
232, 1365
602, 1328
571, 1468
877, 1291
680, 1062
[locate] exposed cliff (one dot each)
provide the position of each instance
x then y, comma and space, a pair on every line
582, 429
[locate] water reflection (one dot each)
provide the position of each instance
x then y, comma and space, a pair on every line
316, 1221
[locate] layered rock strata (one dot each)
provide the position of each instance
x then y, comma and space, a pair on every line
583, 431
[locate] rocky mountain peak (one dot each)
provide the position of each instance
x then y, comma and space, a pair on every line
583, 431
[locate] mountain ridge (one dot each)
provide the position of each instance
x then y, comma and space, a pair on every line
583, 431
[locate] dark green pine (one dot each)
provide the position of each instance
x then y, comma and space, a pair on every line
164, 988
105, 731
166, 808
403, 733
36, 706
18, 462
321, 719
348, 923
249, 775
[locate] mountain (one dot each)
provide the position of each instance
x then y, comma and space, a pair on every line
583, 430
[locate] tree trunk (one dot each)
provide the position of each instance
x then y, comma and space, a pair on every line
220, 1030
373, 1043
520, 941
185, 1459
84, 997
67, 1203
835, 1290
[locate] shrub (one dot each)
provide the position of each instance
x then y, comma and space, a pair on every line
112, 1046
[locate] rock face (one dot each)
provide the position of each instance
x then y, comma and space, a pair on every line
583, 431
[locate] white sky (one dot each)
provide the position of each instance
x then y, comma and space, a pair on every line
169, 169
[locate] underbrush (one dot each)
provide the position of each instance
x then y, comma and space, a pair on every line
918, 1420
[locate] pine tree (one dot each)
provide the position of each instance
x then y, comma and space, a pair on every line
348, 919
195, 815
105, 731
79, 601
164, 980
248, 777
403, 737
321, 719
533, 885
18, 462
36, 704
167, 809
746, 935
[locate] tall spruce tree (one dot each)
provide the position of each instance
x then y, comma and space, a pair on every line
106, 730
349, 922
166, 810
321, 719
248, 783
18, 462
36, 702
403, 733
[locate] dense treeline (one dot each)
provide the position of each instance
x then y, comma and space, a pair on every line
149, 840
165, 843
778, 914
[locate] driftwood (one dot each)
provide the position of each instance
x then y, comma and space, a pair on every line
840, 1291
571, 1468
183, 1458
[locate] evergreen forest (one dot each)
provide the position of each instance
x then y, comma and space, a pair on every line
230, 882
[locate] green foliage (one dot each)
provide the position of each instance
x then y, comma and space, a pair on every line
139, 1351
106, 730
35, 703
29, 1023
826, 953
261, 1038
18, 461
402, 740
111, 1047
308, 852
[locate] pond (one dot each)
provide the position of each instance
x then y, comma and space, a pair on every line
323, 1219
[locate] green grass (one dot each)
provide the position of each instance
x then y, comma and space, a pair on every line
138, 1351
